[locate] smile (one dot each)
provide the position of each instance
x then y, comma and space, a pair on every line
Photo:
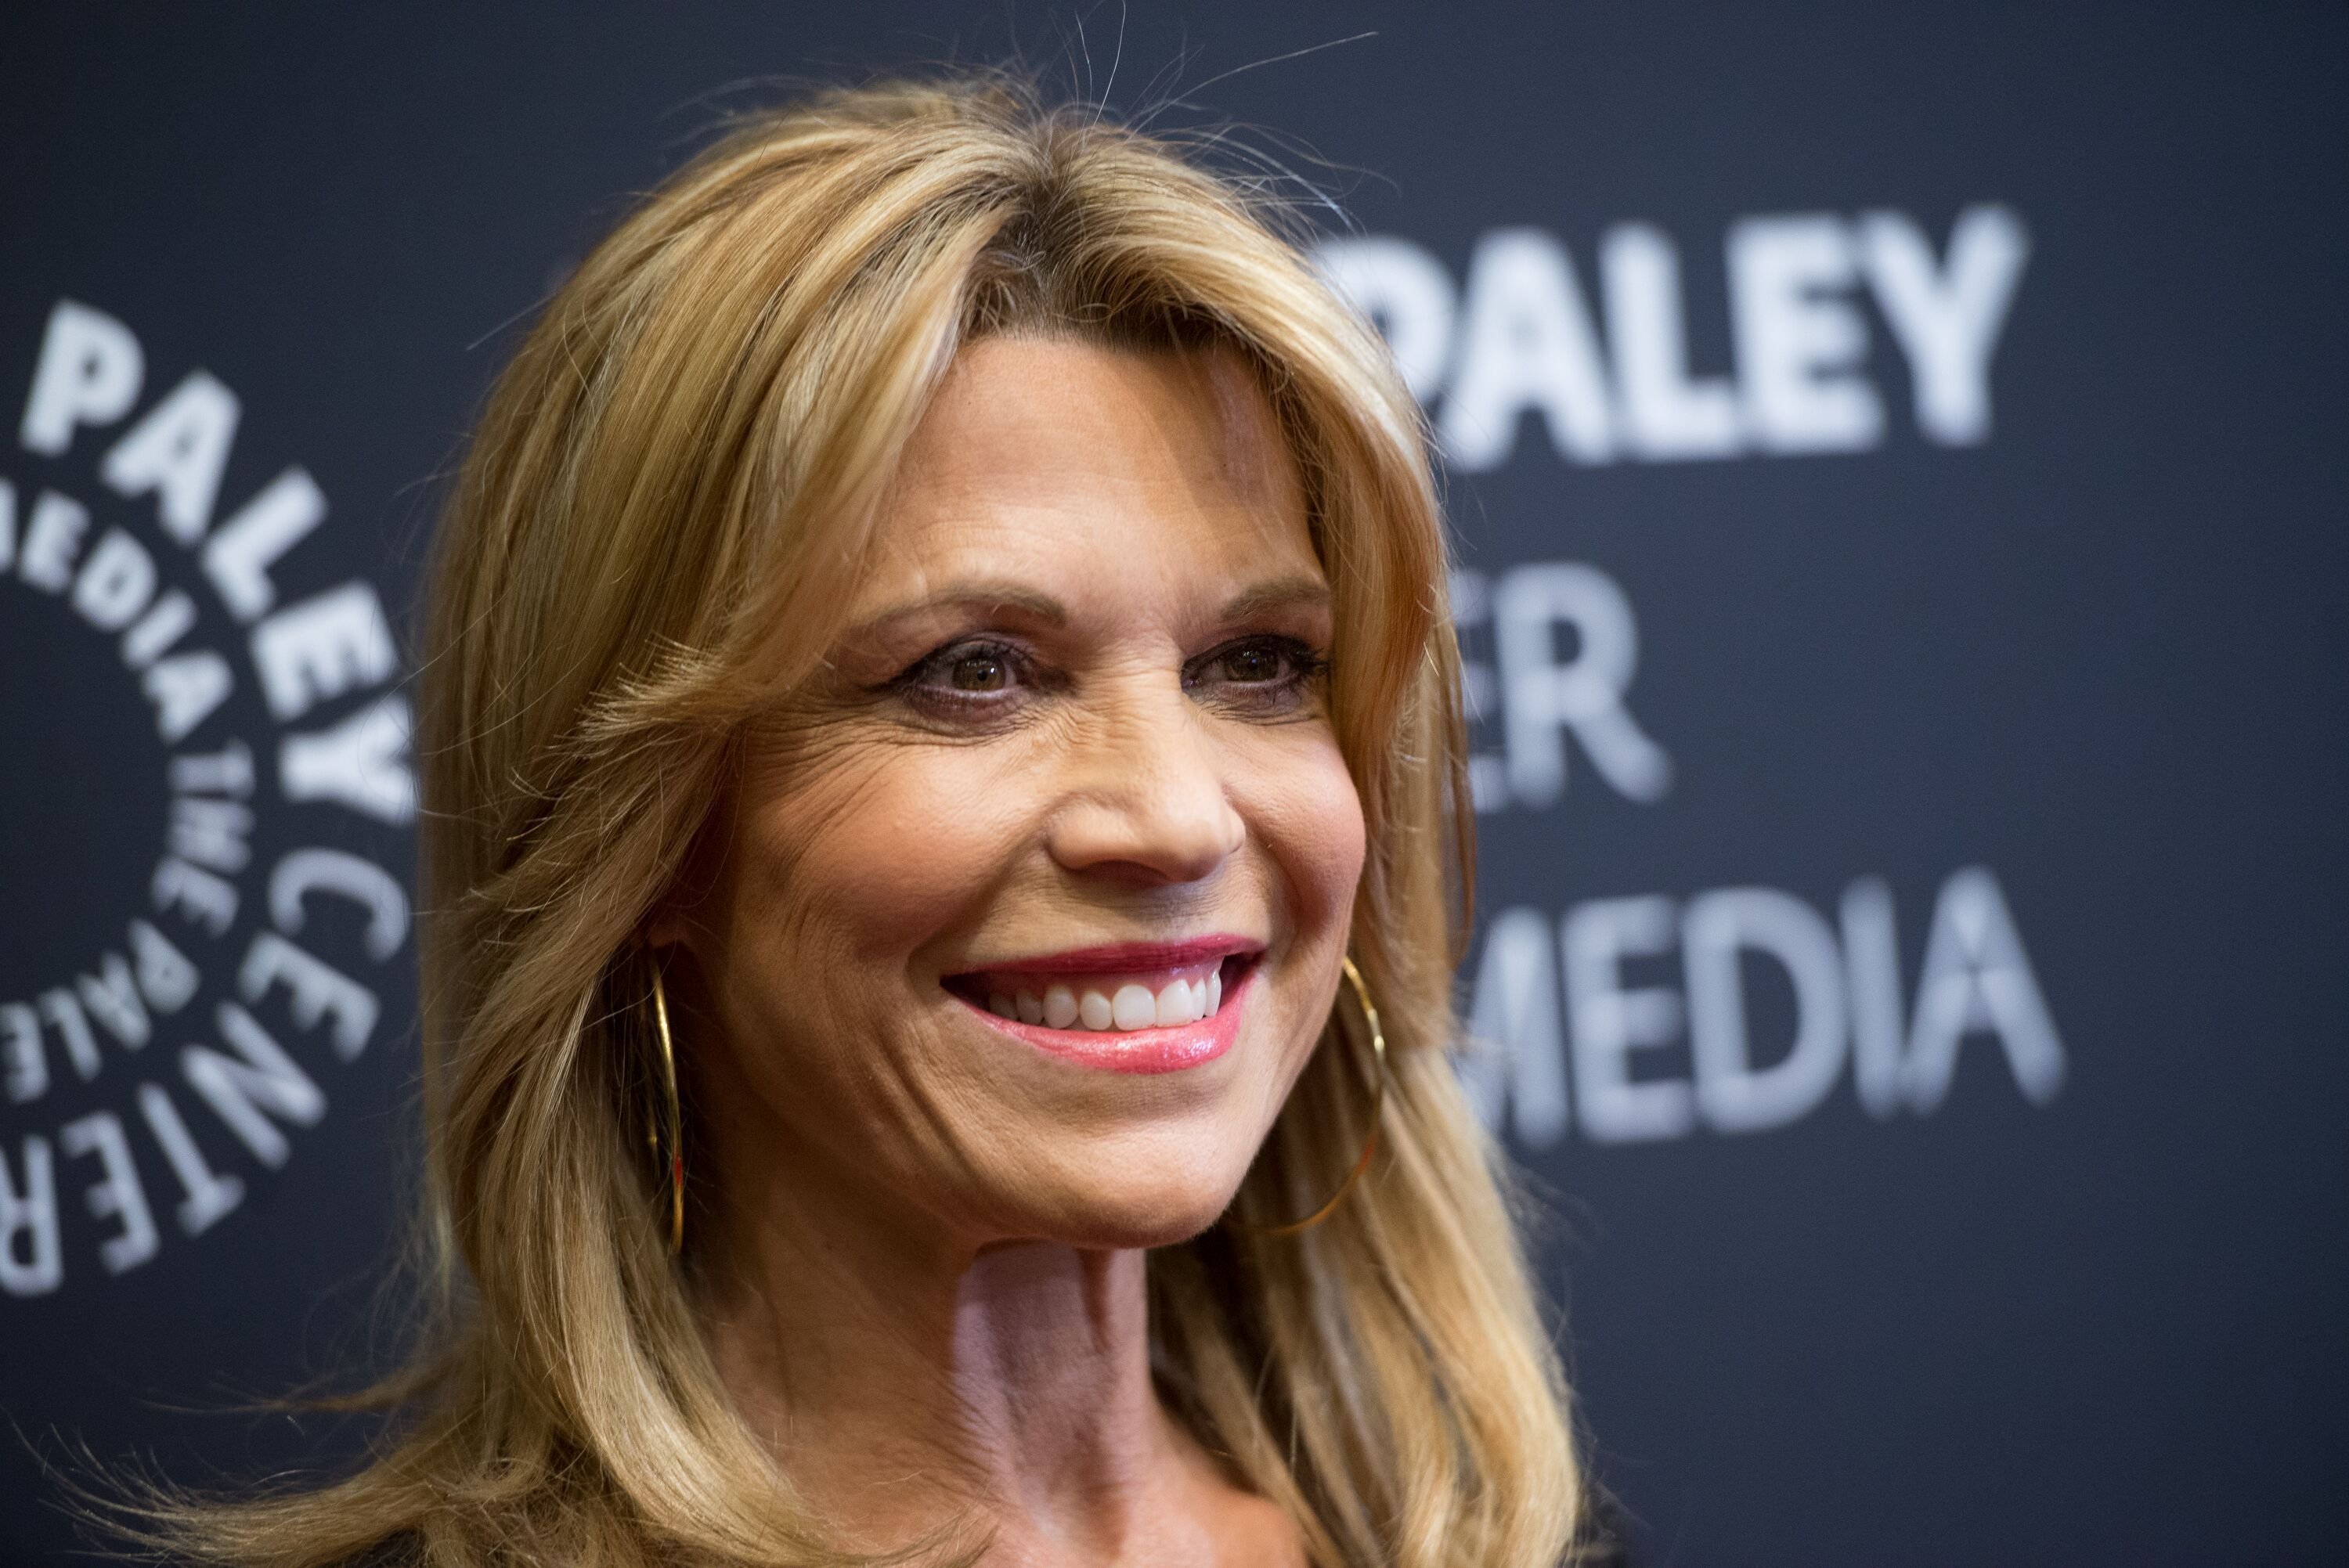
1135, 1007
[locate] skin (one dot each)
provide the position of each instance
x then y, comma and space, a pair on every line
1077, 703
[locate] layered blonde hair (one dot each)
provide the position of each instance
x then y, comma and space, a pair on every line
666, 494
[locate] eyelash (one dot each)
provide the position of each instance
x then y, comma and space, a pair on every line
917, 682
1305, 665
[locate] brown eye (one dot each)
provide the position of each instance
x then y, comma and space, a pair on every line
1252, 663
968, 678
978, 672
1260, 675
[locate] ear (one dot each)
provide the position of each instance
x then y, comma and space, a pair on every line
667, 928
676, 919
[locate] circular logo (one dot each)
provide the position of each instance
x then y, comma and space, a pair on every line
209, 775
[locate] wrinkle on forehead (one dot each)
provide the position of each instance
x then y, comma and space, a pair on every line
1010, 410
1256, 461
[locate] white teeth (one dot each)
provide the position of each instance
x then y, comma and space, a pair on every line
1177, 1005
1112, 1002
1133, 1008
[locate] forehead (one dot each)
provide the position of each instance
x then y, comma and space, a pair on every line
1061, 443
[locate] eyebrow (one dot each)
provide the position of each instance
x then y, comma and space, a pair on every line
1043, 607
1281, 593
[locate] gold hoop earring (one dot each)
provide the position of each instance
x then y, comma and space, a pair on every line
675, 1163
1370, 1144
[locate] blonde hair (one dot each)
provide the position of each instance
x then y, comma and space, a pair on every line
666, 493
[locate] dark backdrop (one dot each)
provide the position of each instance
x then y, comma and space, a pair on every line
1897, 455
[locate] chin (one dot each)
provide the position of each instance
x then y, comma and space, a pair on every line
1143, 1208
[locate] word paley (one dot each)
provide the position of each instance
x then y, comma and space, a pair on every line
1520, 335
228, 992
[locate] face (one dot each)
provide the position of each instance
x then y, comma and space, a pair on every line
1026, 912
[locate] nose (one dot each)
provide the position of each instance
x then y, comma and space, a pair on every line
1146, 799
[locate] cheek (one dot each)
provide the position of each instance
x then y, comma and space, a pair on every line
866, 858
1310, 818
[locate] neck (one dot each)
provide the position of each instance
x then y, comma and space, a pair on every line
907, 1383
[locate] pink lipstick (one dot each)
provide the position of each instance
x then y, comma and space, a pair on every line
1135, 1007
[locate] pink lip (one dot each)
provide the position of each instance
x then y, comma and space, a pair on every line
1123, 956
1166, 1050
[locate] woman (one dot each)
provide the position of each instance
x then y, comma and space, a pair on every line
946, 843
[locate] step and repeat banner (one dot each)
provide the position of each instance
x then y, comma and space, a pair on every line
1896, 461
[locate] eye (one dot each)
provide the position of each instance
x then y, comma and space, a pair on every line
978, 670
1252, 661
1262, 674
972, 673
